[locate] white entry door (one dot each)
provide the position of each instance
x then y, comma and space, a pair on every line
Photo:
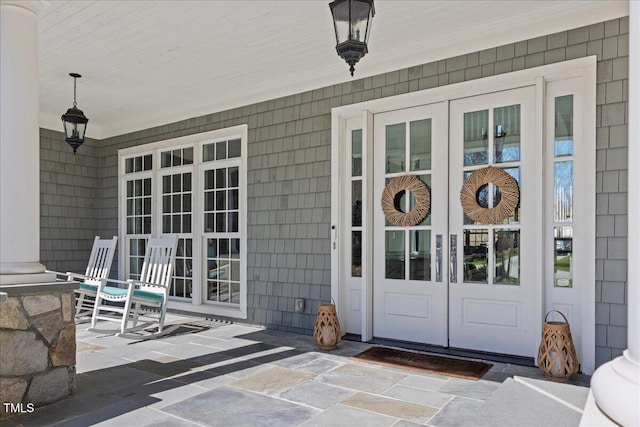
410, 289
449, 280
496, 270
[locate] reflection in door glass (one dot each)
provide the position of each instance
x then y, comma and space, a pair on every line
476, 255
514, 217
412, 199
400, 202
563, 191
394, 254
356, 254
420, 142
507, 257
563, 257
482, 197
476, 140
563, 145
395, 147
356, 203
506, 136
420, 253
356, 152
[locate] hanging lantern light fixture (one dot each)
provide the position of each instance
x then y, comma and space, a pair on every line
74, 121
352, 24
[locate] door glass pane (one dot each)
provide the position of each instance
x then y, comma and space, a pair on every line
563, 191
412, 199
476, 125
356, 253
356, 203
400, 202
394, 254
420, 255
507, 257
506, 142
563, 257
514, 218
564, 126
356, 152
482, 197
395, 147
476, 255
420, 144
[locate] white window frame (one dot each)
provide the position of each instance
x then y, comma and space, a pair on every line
197, 303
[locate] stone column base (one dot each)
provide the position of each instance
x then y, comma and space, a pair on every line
37, 345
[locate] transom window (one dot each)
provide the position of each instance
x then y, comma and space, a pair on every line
195, 188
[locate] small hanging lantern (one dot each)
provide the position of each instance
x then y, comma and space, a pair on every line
352, 23
74, 121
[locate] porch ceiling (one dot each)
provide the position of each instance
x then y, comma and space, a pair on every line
147, 63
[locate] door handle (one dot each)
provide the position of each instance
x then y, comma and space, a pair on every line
453, 258
438, 257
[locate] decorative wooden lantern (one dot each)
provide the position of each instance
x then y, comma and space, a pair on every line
557, 354
327, 331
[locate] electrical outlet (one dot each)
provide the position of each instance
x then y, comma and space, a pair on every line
299, 305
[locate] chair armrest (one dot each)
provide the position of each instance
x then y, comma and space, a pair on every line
133, 282
72, 276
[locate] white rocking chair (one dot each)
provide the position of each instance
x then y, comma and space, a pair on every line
97, 272
144, 298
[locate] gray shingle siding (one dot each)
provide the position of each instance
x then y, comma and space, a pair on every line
289, 177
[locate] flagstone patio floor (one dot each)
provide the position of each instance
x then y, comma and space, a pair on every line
210, 373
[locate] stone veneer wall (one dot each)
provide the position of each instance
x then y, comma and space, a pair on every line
37, 344
289, 173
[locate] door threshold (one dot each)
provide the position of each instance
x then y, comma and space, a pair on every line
447, 351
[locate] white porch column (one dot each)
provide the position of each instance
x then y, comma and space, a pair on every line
19, 145
616, 385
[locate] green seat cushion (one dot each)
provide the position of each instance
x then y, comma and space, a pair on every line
119, 292
88, 287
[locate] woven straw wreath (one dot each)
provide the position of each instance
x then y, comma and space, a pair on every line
510, 195
420, 191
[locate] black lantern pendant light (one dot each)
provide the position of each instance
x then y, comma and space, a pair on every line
74, 120
352, 22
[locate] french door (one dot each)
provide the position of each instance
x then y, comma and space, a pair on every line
450, 280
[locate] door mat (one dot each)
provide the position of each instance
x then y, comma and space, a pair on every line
461, 368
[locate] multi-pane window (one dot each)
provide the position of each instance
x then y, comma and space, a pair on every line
221, 220
177, 157
137, 248
221, 192
139, 163
138, 209
176, 203
181, 286
139, 206
223, 270
221, 150
193, 188
177, 214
